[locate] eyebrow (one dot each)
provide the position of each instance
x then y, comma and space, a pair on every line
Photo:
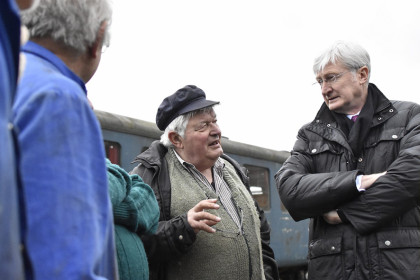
326, 74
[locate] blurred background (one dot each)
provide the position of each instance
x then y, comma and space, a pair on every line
255, 57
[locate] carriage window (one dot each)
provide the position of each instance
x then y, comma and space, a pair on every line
260, 185
113, 151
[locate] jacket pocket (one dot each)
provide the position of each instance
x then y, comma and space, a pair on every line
319, 147
399, 253
325, 259
394, 135
326, 156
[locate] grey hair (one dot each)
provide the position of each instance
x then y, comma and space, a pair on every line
179, 124
352, 55
75, 23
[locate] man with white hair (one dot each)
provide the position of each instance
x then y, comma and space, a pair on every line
69, 232
355, 172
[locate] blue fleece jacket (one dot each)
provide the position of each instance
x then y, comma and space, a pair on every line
10, 258
63, 171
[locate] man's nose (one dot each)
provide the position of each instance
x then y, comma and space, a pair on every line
215, 129
325, 87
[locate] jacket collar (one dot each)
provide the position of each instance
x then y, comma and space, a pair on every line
153, 156
383, 111
55, 61
324, 123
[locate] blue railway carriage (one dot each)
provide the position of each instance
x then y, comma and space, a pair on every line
126, 137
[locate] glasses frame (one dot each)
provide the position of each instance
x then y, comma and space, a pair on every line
330, 80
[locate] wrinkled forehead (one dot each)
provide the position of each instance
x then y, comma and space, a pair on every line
204, 114
201, 118
204, 111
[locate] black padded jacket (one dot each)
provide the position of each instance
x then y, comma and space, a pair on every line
380, 236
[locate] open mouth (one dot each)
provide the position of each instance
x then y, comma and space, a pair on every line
214, 143
332, 99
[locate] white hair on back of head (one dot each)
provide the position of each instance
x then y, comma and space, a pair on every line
179, 124
351, 55
75, 23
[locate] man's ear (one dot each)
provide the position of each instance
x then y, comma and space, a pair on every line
363, 74
96, 49
175, 139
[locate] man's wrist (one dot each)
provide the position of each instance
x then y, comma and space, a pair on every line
359, 183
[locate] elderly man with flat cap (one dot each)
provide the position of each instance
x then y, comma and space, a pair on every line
210, 227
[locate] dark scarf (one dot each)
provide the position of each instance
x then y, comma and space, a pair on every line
356, 132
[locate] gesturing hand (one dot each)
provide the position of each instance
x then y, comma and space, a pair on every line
202, 220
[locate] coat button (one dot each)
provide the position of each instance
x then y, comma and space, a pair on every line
328, 125
360, 159
180, 237
391, 110
332, 248
313, 151
394, 136
387, 243
380, 118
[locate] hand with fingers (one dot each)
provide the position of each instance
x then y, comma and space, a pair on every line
332, 217
368, 180
202, 220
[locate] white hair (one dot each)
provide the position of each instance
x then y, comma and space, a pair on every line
352, 55
75, 23
179, 124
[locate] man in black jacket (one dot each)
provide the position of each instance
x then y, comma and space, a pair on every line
355, 171
210, 227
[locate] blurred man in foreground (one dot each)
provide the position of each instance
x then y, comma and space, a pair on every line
11, 264
62, 160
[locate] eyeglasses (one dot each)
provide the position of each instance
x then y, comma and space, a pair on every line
330, 79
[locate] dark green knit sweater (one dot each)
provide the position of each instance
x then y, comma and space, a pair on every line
135, 212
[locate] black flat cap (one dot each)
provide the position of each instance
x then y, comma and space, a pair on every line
184, 100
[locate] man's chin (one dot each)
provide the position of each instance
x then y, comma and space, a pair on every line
218, 153
336, 108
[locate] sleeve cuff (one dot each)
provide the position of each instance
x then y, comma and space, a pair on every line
342, 216
359, 183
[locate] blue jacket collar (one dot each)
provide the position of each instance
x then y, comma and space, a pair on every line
37, 50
